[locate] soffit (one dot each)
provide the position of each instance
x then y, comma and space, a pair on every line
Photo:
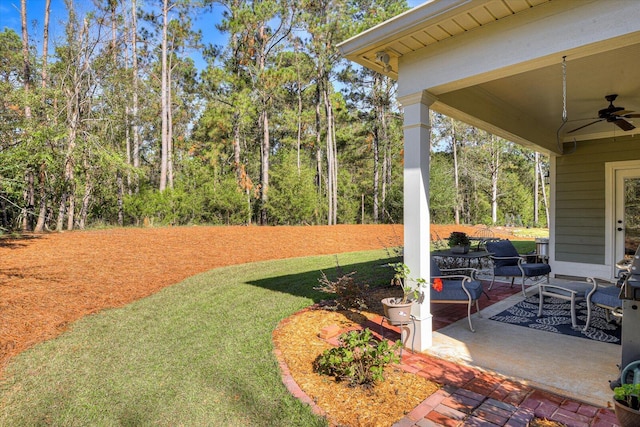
430, 23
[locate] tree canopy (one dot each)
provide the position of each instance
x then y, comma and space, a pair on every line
117, 126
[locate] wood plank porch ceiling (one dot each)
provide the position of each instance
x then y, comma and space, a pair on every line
437, 27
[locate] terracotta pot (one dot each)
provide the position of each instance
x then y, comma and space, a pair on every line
627, 417
397, 313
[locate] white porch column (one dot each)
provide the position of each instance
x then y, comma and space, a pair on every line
416, 205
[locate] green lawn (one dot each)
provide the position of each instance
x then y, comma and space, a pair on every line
196, 353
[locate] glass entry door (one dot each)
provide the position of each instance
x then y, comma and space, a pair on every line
627, 229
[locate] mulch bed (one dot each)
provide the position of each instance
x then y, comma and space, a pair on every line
300, 339
379, 406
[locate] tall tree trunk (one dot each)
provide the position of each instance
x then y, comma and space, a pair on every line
376, 144
42, 199
4, 213
169, 131
265, 146
45, 48
72, 92
72, 210
385, 141
236, 149
318, 141
62, 207
299, 112
456, 175
376, 174
386, 174
332, 161
42, 203
86, 197
26, 63
28, 203
68, 194
329, 146
164, 156
120, 184
134, 71
264, 168
332, 128
495, 169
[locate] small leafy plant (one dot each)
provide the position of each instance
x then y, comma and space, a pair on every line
403, 275
627, 394
458, 238
360, 359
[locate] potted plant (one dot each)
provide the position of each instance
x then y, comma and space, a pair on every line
398, 310
627, 405
459, 242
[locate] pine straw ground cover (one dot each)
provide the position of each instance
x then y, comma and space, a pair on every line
297, 338
50, 280
380, 406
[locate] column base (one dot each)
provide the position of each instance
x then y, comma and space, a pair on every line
422, 336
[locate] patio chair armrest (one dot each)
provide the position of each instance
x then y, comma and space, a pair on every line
595, 280
472, 271
561, 289
595, 283
505, 257
464, 280
454, 277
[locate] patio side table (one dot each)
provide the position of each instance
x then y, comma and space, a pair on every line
569, 291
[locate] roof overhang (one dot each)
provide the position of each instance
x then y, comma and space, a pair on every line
497, 64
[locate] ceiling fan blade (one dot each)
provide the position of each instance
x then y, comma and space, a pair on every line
584, 126
630, 116
624, 125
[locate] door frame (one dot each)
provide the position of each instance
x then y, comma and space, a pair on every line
611, 170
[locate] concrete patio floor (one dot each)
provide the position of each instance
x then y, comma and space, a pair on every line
575, 367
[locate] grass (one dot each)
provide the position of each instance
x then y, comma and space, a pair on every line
531, 232
196, 353
524, 246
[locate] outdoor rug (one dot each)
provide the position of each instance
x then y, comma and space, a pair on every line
556, 317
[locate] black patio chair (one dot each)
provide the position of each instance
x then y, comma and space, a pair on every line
608, 296
507, 262
457, 288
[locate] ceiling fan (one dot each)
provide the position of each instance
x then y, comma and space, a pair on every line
613, 114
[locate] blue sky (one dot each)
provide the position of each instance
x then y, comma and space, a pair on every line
10, 17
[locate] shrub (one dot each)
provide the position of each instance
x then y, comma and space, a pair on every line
349, 293
360, 359
458, 238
